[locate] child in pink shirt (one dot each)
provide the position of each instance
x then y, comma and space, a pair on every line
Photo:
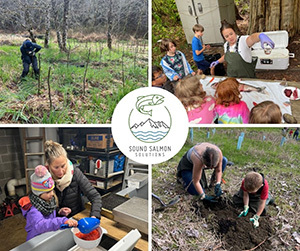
230, 109
200, 108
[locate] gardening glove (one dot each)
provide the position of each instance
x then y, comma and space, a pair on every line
265, 39
214, 64
31, 53
255, 220
203, 196
218, 190
244, 213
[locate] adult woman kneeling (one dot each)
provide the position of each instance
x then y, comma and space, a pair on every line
191, 167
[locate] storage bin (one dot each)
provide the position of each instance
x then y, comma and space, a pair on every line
208, 13
101, 171
119, 163
278, 59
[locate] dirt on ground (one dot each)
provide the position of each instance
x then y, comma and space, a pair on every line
236, 233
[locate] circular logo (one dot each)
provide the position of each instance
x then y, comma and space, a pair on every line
149, 125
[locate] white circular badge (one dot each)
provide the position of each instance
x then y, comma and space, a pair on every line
149, 125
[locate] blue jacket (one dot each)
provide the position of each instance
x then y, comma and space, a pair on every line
27, 48
170, 72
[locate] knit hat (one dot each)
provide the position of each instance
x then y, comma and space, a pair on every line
41, 181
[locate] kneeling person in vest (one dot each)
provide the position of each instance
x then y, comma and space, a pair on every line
254, 193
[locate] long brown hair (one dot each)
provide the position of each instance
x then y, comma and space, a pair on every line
189, 91
226, 25
266, 112
227, 92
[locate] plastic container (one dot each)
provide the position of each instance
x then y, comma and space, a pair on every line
88, 244
119, 163
278, 58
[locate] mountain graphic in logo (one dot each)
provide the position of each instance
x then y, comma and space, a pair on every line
150, 131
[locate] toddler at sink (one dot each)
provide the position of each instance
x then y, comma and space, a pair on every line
39, 208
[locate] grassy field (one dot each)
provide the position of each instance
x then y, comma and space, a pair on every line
111, 74
174, 227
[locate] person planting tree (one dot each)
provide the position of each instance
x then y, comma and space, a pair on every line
190, 170
28, 50
253, 194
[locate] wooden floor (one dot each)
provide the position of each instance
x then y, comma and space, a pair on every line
12, 232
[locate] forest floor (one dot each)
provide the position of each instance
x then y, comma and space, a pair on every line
70, 97
191, 224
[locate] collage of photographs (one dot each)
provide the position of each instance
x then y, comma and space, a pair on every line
149, 125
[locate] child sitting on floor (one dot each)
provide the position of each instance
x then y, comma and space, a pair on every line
266, 112
254, 193
39, 208
174, 64
200, 108
230, 109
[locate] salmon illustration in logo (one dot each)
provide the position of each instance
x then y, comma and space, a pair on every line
144, 103
148, 129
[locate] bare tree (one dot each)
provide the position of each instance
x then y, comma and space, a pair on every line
47, 24
56, 23
65, 25
109, 25
121, 18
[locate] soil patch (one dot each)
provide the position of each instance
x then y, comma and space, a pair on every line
236, 233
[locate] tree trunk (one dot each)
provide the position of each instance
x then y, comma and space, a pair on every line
274, 15
65, 25
56, 26
28, 25
58, 36
109, 25
47, 25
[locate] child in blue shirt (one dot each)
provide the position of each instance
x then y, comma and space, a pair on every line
198, 49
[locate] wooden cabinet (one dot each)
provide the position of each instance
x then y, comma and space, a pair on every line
74, 141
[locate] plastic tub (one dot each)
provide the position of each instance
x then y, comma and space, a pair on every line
88, 244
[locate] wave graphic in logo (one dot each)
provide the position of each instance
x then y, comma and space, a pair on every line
149, 136
150, 131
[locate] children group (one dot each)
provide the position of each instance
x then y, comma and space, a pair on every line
226, 107
254, 189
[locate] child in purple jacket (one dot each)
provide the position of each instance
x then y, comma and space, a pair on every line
39, 208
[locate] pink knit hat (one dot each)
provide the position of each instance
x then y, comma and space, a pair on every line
41, 181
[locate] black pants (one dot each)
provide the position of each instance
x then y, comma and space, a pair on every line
27, 65
254, 201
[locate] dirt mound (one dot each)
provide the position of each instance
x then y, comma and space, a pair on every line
236, 233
